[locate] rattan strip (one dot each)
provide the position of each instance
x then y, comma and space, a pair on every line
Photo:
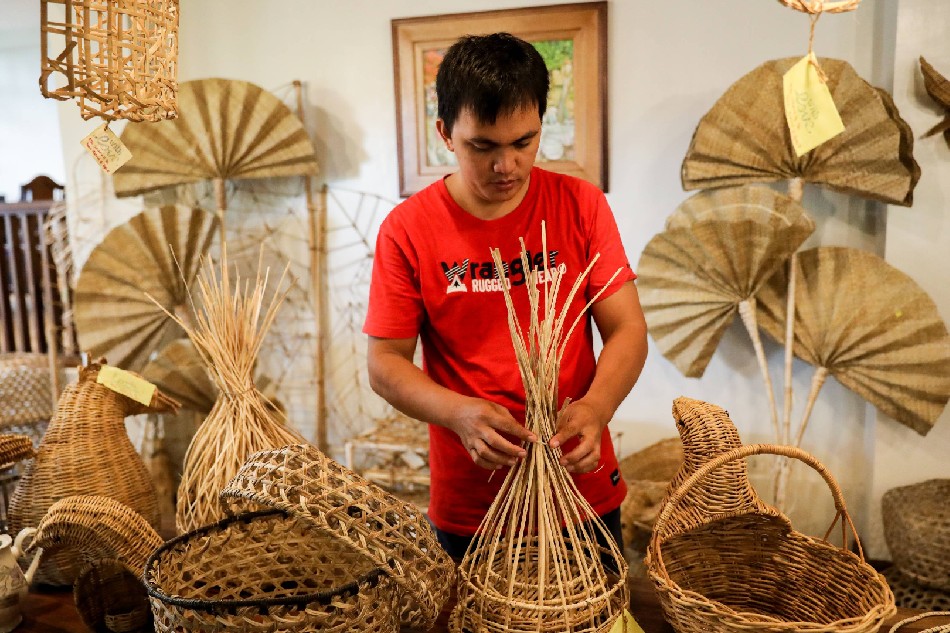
917, 531
86, 451
393, 534
534, 563
748, 572
117, 58
941, 628
14, 448
26, 395
266, 571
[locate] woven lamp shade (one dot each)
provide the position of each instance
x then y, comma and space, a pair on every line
744, 139
157, 252
720, 247
938, 87
117, 58
870, 326
226, 129
391, 533
85, 451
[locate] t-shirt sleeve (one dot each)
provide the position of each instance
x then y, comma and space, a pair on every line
605, 239
395, 302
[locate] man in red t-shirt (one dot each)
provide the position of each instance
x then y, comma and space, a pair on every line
433, 279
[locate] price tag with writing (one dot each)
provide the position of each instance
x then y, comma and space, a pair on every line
106, 148
809, 108
626, 624
127, 384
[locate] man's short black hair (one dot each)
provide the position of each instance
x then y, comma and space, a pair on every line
490, 74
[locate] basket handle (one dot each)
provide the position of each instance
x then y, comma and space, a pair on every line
741, 453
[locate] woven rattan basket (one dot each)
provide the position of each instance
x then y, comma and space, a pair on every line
14, 448
111, 599
26, 394
336, 501
727, 561
266, 571
917, 530
908, 594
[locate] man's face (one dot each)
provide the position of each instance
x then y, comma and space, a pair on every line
495, 159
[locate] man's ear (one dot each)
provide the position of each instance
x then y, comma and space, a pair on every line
444, 133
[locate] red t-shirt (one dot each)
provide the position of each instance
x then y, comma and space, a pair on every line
433, 276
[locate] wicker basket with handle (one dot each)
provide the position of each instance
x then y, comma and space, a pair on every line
732, 562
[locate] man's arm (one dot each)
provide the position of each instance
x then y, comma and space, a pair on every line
619, 319
478, 423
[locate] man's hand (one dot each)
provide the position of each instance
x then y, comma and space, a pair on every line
582, 420
480, 424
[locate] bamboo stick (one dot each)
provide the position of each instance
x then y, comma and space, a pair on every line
747, 311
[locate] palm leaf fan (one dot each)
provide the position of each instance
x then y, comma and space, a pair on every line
938, 87
719, 249
157, 253
870, 326
226, 129
822, 6
744, 139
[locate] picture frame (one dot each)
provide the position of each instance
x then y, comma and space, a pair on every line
573, 40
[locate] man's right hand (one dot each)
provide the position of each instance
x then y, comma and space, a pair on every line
480, 424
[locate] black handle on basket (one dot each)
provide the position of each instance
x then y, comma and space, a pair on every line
740, 453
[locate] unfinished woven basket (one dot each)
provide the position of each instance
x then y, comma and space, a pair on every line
721, 559
85, 451
391, 533
266, 571
917, 530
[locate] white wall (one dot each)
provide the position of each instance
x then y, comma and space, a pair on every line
668, 62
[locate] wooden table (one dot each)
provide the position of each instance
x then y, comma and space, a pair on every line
54, 612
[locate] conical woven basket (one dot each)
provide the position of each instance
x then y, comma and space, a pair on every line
339, 503
85, 451
266, 571
721, 559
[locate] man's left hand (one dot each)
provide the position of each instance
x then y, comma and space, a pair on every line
582, 420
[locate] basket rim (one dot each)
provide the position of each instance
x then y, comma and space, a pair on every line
373, 576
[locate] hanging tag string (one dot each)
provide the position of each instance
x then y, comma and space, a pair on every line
813, 59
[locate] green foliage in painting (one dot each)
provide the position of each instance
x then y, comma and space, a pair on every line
555, 52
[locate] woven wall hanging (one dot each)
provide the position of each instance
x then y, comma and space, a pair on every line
117, 58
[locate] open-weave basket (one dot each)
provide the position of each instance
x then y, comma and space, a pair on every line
266, 571
731, 562
909, 594
111, 599
346, 508
917, 530
86, 451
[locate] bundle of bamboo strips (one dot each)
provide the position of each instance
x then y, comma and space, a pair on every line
535, 564
228, 331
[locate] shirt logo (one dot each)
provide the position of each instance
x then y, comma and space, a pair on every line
455, 274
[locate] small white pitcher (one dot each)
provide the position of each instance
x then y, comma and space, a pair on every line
13, 582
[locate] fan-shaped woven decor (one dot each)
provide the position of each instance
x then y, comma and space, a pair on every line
744, 139
225, 129
822, 6
111, 599
938, 87
917, 530
179, 371
114, 317
267, 571
721, 559
871, 326
393, 534
720, 247
85, 451
118, 58
14, 448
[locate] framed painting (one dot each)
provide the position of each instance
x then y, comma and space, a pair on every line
572, 39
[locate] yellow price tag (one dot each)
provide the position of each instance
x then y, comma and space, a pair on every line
809, 108
626, 624
127, 384
106, 148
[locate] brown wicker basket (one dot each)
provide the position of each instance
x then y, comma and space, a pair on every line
111, 599
14, 448
917, 530
339, 503
735, 563
26, 393
86, 451
266, 571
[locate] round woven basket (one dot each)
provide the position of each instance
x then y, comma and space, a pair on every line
391, 533
735, 563
111, 599
917, 531
266, 571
